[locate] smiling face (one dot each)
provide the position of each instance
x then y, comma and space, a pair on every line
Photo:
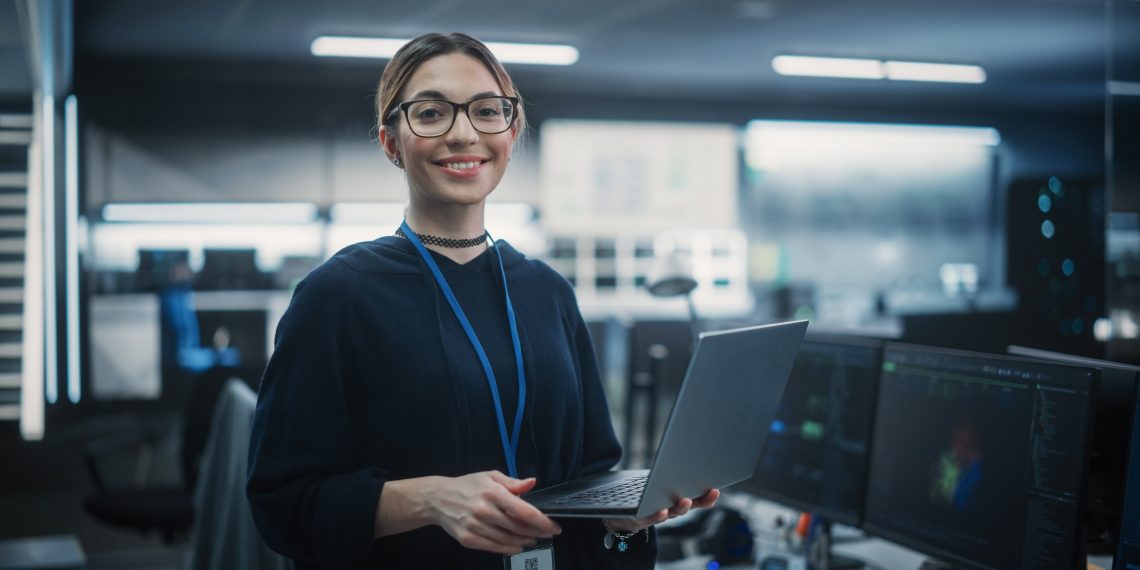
463, 166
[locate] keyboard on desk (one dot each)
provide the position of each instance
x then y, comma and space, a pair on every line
623, 493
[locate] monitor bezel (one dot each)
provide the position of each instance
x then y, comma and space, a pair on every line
758, 490
945, 555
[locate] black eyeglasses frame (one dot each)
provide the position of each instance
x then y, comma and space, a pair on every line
456, 107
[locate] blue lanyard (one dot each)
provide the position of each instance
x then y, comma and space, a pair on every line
511, 443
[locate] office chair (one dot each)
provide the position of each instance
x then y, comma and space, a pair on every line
224, 535
167, 509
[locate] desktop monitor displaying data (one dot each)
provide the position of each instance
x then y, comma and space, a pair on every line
979, 460
815, 458
1108, 453
1128, 546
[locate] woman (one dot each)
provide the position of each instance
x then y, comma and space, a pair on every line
410, 372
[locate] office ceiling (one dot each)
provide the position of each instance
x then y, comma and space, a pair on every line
1036, 52
1033, 50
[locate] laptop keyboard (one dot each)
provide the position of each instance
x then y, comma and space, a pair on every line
625, 493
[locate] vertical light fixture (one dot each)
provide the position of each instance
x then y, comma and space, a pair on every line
71, 244
32, 362
50, 354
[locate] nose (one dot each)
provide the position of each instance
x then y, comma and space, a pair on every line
462, 131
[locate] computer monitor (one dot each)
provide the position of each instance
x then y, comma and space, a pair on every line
979, 459
1128, 546
224, 269
159, 268
815, 458
1109, 450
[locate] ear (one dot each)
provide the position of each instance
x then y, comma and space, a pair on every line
389, 142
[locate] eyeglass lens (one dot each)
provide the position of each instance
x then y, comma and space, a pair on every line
489, 115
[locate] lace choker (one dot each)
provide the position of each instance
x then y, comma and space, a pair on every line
446, 242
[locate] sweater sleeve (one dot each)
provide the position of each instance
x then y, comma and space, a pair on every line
307, 498
601, 452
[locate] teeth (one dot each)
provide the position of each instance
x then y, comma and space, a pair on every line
461, 165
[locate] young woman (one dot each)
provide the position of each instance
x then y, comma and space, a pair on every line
422, 381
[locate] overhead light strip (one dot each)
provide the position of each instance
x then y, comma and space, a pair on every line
1123, 88
386, 48
856, 68
212, 213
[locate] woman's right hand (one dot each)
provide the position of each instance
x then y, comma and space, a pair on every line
483, 511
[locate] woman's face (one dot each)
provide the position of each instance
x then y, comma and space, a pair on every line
463, 166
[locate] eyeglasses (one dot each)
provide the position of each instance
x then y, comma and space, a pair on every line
429, 118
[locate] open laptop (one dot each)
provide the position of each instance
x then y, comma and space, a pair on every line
715, 433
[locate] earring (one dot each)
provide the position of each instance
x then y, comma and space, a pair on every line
396, 161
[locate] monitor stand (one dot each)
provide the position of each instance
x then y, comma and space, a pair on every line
819, 552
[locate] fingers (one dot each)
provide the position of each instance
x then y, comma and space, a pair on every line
680, 508
516, 486
519, 513
476, 541
707, 500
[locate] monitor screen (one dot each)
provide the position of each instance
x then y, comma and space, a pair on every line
815, 458
1128, 547
161, 267
1109, 450
979, 460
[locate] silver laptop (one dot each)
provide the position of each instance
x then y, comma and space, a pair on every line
714, 435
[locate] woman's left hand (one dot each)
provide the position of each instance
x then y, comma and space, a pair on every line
683, 506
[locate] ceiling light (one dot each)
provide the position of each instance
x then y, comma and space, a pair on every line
828, 67
943, 72
1123, 88
204, 212
852, 68
385, 48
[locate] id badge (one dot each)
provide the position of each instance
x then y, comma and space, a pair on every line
537, 557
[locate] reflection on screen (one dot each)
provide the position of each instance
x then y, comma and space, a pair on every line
815, 457
980, 459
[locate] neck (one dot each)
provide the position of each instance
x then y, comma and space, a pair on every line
456, 222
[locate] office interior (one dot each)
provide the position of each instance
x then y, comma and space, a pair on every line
170, 171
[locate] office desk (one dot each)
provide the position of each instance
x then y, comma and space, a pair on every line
848, 542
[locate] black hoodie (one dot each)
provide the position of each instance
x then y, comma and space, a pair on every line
373, 379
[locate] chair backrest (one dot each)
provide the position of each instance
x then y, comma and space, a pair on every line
224, 535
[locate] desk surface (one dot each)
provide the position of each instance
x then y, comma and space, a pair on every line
61, 552
849, 542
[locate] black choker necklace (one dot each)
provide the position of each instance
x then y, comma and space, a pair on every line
446, 242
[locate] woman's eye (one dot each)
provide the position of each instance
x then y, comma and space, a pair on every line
489, 111
428, 114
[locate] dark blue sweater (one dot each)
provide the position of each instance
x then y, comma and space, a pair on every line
373, 379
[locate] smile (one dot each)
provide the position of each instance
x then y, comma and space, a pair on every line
461, 165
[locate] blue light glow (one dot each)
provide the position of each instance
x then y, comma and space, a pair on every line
1044, 203
1068, 267
778, 427
1047, 229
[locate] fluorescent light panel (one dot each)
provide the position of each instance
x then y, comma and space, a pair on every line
385, 48
828, 67
212, 213
71, 245
854, 68
827, 133
939, 72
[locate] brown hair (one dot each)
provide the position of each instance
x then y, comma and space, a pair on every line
409, 58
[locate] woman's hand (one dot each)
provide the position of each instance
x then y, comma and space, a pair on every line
681, 507
483, 511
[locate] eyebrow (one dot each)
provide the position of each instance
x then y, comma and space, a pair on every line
433, 94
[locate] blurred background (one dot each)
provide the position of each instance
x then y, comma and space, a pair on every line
170, 170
